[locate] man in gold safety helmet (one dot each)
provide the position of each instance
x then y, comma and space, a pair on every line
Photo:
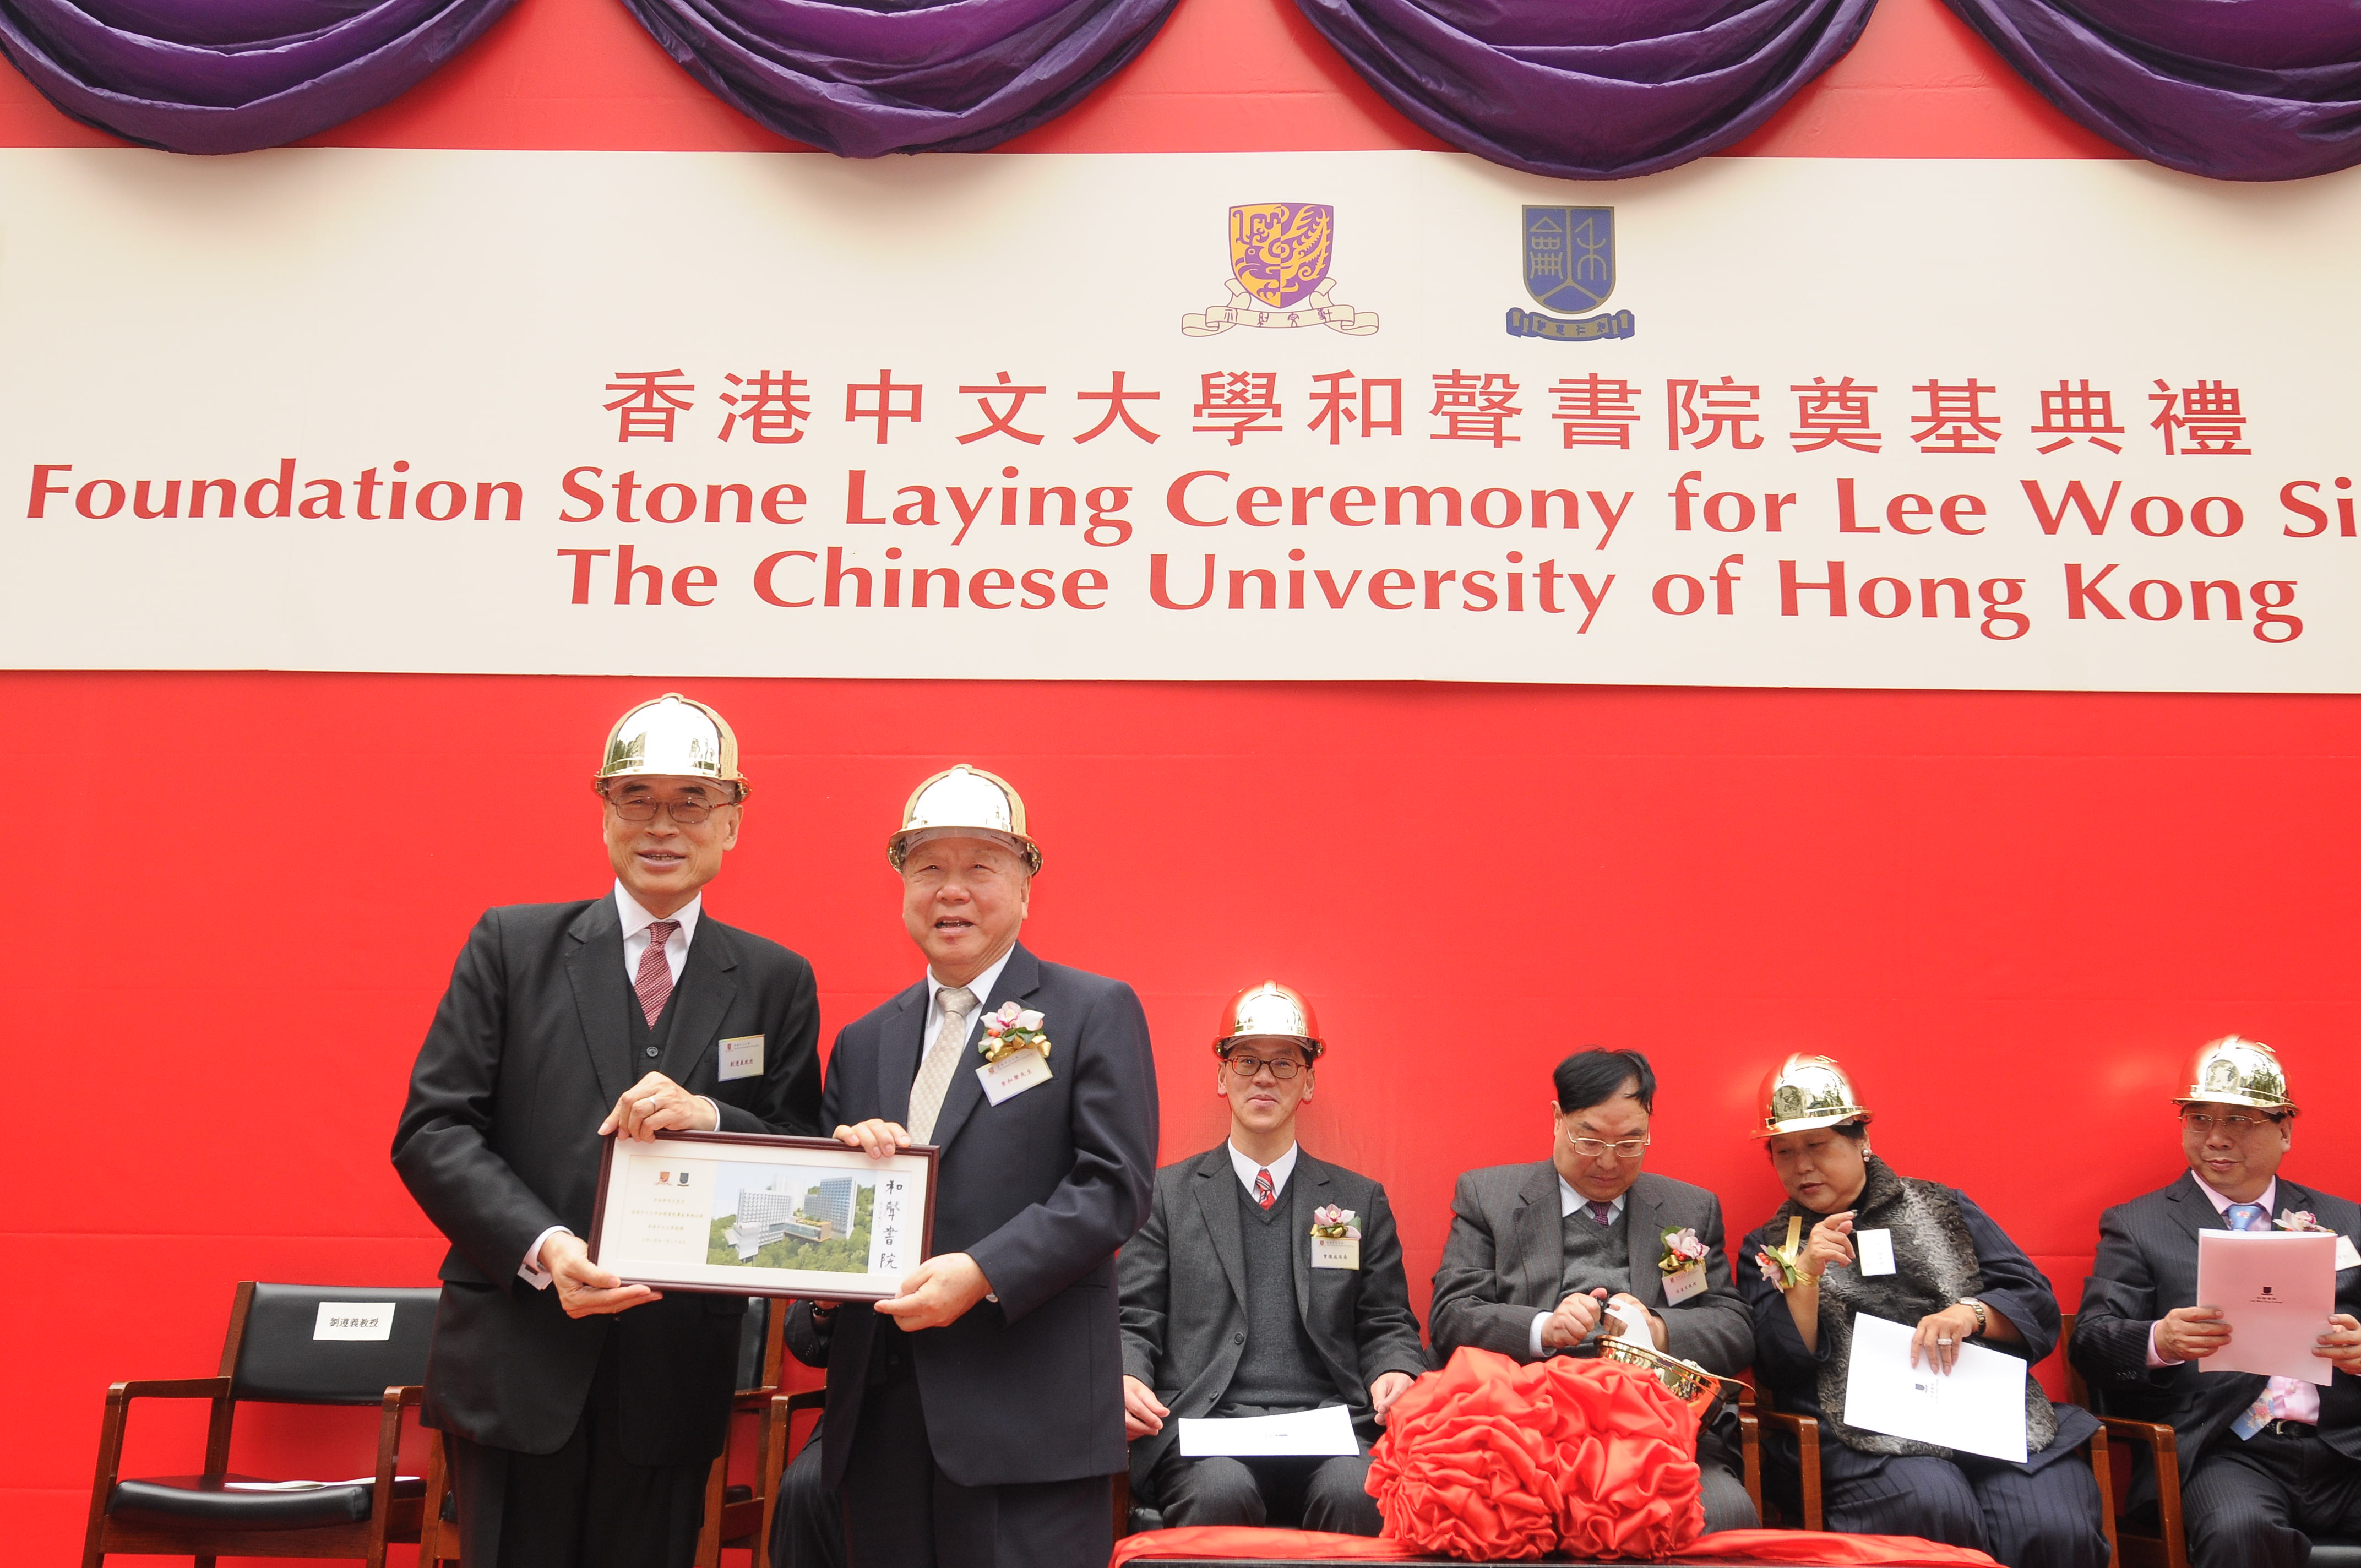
585, 1413
1214, 1322
2267, 1464
971, 1421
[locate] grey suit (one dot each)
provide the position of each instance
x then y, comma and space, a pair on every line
2247, 1502
1183, 1284
1505, 1258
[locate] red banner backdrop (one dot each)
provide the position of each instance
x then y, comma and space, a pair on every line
2012, 914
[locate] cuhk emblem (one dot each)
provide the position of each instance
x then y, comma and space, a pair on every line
1569, 265
1279, 273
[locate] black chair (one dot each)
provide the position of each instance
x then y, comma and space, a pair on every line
274, 1353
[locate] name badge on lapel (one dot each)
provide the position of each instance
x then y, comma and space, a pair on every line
1683, 1264
1875, 1250
742, 1058
1013, 1075
2347, 1257
1336, 1238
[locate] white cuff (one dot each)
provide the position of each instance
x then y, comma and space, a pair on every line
707, 1100
2156, 1359
1533, 1340
530, 1270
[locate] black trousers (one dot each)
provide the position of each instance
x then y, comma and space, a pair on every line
582, 1507
1295, 1493
808, 1524
2257, 1504
902, 1512
2027, 1519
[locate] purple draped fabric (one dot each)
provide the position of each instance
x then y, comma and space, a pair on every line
2233, 89
232, 75
862, 80
1590, 89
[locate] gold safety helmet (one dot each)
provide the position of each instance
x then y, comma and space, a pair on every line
1807, 1091
673, 736
965, 801
1274, 1009
2234, 1071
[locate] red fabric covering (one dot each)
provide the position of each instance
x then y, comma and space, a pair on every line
1494, 1461
1739, 1546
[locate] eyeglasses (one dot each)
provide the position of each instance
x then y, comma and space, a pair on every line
1594, 1148
1281, 1067
643, 808
2236, 1126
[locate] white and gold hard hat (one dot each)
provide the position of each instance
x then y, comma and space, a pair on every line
1271, 1010
2234, 1071
673, 736
963, 801
1807, 1091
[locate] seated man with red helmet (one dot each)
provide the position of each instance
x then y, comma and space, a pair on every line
2266, 1462
1265, 1281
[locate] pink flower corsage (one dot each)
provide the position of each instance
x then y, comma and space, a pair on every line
1682, 1250
1010, 1030
1334, 1225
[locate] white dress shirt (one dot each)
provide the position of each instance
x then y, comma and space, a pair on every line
636, 922
2299, 1398
1568, 1200
1281, 1168
981, 985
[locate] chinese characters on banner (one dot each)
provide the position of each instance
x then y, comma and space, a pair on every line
1758, 422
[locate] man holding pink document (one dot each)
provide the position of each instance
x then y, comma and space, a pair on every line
2267, 1461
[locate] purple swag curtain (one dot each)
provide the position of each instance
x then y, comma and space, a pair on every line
232, 75
1590, 89
2232, 89
861, 80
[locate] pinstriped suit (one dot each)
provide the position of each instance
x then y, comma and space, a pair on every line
2248, 1503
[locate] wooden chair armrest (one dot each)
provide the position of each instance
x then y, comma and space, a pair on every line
168, 1389
1806, 1430
2163, 1445
809, 1399
1750, 1450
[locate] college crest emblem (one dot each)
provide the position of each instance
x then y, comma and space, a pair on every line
1569, 265
1279, 273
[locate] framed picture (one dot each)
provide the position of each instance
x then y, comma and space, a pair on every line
756, 1214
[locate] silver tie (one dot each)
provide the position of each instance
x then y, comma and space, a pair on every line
942, 1059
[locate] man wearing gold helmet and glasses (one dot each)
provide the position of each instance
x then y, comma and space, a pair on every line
2266, 1462
1266, 1282
585, 1413
974, 1419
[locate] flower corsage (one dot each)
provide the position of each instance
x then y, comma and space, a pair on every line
1334, 1225
1784, 1266
1011, 1030
1682, 1250
2297, 1220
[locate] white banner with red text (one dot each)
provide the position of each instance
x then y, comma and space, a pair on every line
2080, 424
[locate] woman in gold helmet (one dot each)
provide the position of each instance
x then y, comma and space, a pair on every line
1855, 1237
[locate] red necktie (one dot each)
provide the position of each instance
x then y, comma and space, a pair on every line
1265, 1193
655, 982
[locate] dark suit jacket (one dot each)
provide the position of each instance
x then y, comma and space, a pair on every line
1182, 1280
1506, 1255
530, 1049
1040, 1189
2148, 1266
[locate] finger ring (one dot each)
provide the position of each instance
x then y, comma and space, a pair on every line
1942, 1341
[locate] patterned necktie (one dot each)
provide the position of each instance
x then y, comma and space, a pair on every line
2274, 1404
654, 983
934, 1078
1603, 1212
1265, 1193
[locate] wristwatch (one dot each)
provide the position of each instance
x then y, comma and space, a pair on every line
1983, 1318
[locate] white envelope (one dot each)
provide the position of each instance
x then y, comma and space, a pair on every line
1978, 1408
1326, 1431
2279, 1288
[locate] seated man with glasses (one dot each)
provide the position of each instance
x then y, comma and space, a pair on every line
1265, 1282
2266, 1462
1538, 1252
